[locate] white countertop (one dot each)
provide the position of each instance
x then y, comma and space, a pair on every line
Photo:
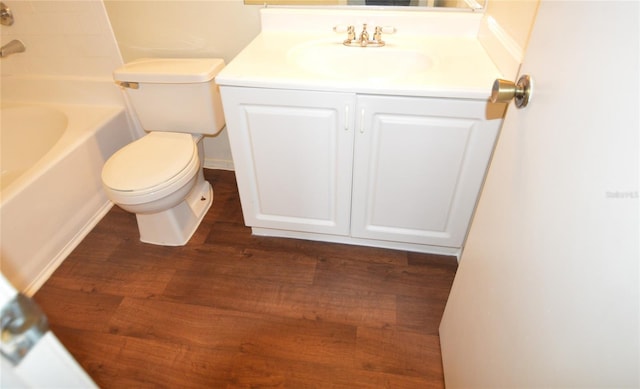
458, 66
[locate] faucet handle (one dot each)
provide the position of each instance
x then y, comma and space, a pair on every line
350, 30
340, 28
6, 16
377, 35
387, 29
351, 33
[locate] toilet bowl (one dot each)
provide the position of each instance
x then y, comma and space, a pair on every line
143, 176
159, 177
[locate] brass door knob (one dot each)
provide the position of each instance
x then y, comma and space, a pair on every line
504, 90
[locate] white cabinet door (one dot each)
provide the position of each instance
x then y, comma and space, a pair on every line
419, 164
292, 152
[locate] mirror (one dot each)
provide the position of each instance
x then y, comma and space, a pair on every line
458, 4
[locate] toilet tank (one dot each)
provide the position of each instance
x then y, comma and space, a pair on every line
174, 94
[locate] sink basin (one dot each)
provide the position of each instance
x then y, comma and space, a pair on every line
333, 59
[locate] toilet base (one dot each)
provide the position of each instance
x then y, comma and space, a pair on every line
175, 226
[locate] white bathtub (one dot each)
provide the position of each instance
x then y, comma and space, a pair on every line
51, 157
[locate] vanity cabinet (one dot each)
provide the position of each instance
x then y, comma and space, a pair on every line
389, 171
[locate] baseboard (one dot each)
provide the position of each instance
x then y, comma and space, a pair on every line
219, 164
418, 248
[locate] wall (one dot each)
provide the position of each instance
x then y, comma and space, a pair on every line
70, 53
221, 28
181, 29
63, 38
505, 30
515, 17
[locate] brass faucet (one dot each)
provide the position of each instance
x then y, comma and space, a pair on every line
363, 39
364, 36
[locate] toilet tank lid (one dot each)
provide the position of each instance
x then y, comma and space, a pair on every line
170, 70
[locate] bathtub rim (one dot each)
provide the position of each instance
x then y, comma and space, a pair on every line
75, 133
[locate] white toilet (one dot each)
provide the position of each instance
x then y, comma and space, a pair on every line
159, 177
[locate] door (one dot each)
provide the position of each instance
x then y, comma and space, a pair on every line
32, 357
292, 152
418, 167
546, 294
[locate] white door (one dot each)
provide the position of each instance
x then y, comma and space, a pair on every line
32, 357
546, 294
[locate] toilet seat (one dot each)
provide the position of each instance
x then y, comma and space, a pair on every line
151, 167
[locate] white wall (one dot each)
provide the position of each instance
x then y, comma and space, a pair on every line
181, 29
504, 32
63, 38
70, 53
515, 17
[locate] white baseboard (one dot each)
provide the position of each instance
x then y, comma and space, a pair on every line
419, 248
220, 164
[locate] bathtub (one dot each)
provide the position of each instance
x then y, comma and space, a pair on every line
51, 196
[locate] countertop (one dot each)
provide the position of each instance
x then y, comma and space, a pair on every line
458, 66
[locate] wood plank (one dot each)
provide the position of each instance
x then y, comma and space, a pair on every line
115, 361
399, 352
403, 280
287, 300
232, 310
421, 314
78, 309
119, 280
264, 335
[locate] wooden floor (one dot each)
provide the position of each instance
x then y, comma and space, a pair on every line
232, 310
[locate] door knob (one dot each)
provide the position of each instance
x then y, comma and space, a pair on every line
504, 90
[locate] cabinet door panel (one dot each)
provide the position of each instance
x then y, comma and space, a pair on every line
418, 167
409, 171
292, 152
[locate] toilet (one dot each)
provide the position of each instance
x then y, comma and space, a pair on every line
159, 177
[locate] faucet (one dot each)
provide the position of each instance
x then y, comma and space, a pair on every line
364, 36
363, 40
15, 46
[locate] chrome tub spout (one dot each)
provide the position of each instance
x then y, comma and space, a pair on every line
15, 46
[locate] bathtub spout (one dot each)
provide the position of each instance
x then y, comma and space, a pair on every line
15, 46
